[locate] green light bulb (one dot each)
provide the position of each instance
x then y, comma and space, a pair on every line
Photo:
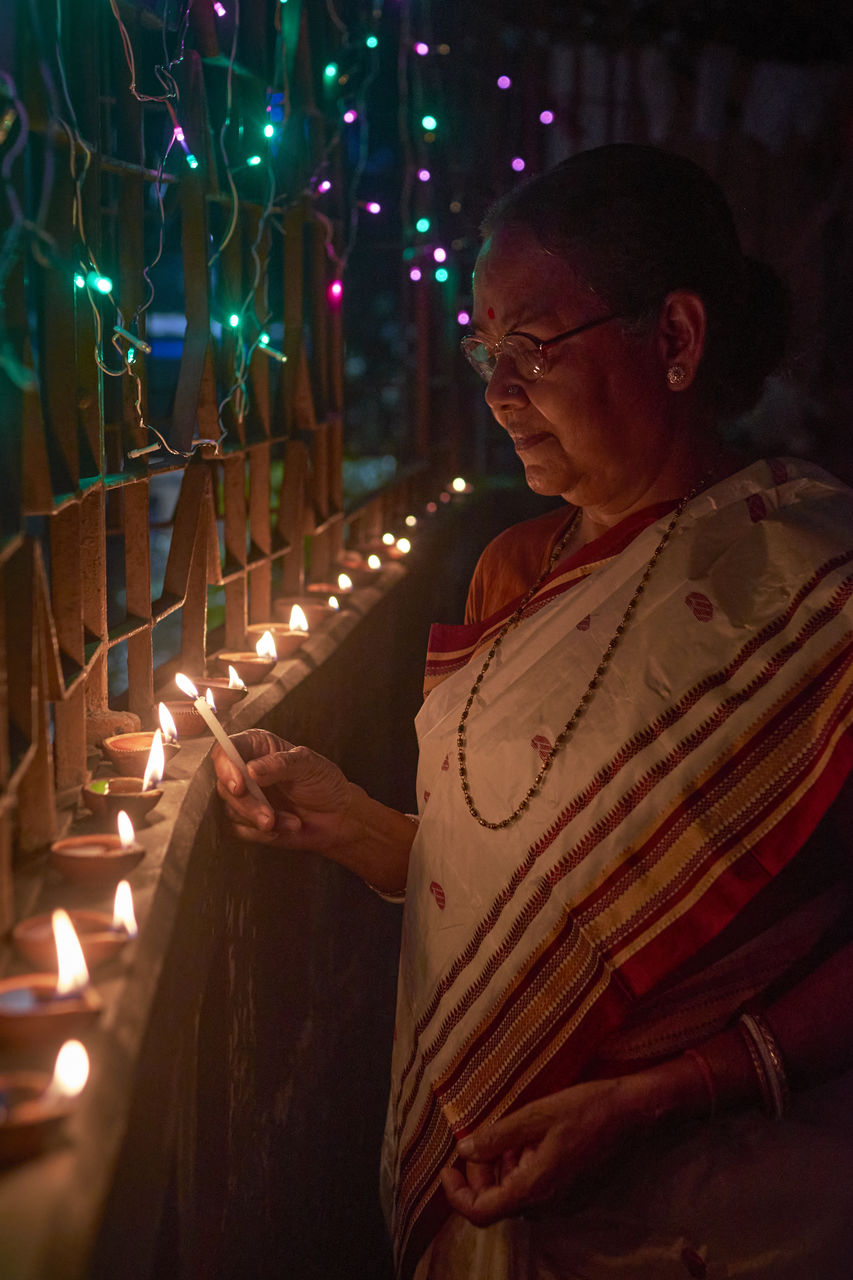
103, 284
191, 160
269, 130
254, 161
422, 224
233, 320
429, 122
371, 42
330, 70
264, 339
441, 275
79, 280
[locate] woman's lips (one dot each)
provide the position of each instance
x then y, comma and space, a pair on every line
529, 442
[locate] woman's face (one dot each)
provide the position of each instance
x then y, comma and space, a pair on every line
595, 427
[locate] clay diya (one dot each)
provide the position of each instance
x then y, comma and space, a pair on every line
33, 1105
100, 935
129, 752
225, 694
188, 722
287, 636
316, 608
101, 856
252, 668
105, 797
30, 1117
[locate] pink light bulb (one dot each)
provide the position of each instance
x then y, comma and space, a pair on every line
324, 186
440, 254
518, 164
424, 175
504, 82
421, 49
350, 116
179, 134
463, 317
219, 9
415, 273
373, 206
546, 117
335, 291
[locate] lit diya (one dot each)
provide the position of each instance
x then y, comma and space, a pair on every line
251, 667
33, 1105
287, 637
128, 752
226, 693
335, 593
317, 609
100, 934
37, 1009
136, 796
101, 856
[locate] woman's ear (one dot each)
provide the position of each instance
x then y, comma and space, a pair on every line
681, 336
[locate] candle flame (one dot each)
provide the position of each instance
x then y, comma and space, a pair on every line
388, 539
334, 602
265, 648
373, 562
123, 913
404, 545
125, 829
298, 621
167, 724
234, 681
209, 699
70, 1072
156, 765
186, 686
344, 582
73, 974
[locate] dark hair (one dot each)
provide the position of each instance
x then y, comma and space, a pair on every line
638, 223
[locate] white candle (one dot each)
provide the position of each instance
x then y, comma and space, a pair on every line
206, 712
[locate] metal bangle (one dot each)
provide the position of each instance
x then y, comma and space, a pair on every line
768, 1064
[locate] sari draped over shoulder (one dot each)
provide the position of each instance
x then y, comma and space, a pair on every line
716, 741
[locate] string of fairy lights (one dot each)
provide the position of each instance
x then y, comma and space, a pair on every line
358, 74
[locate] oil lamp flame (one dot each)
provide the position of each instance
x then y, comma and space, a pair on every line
265, 648
125, 829
234, 681
71, 964
344, 582
167, 724
70, 1072
404, 545
123, 913
156, 765
334, 602
373, 562
186, 685
209, 699
298, 621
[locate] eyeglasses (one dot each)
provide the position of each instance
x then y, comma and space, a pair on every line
528, 354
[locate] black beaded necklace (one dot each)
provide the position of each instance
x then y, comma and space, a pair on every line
586, 696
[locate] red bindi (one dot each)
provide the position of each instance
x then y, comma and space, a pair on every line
491, 313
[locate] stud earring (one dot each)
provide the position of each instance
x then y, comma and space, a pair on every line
675, 375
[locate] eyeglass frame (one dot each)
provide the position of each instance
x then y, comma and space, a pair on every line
541, 345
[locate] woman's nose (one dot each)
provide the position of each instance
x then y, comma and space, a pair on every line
505, 390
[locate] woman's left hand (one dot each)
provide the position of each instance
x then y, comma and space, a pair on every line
541, 1151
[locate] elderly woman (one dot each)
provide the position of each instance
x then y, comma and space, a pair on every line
625, 1004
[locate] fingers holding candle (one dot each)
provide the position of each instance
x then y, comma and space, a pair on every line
310, 796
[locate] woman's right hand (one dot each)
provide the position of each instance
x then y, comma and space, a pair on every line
310, 798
